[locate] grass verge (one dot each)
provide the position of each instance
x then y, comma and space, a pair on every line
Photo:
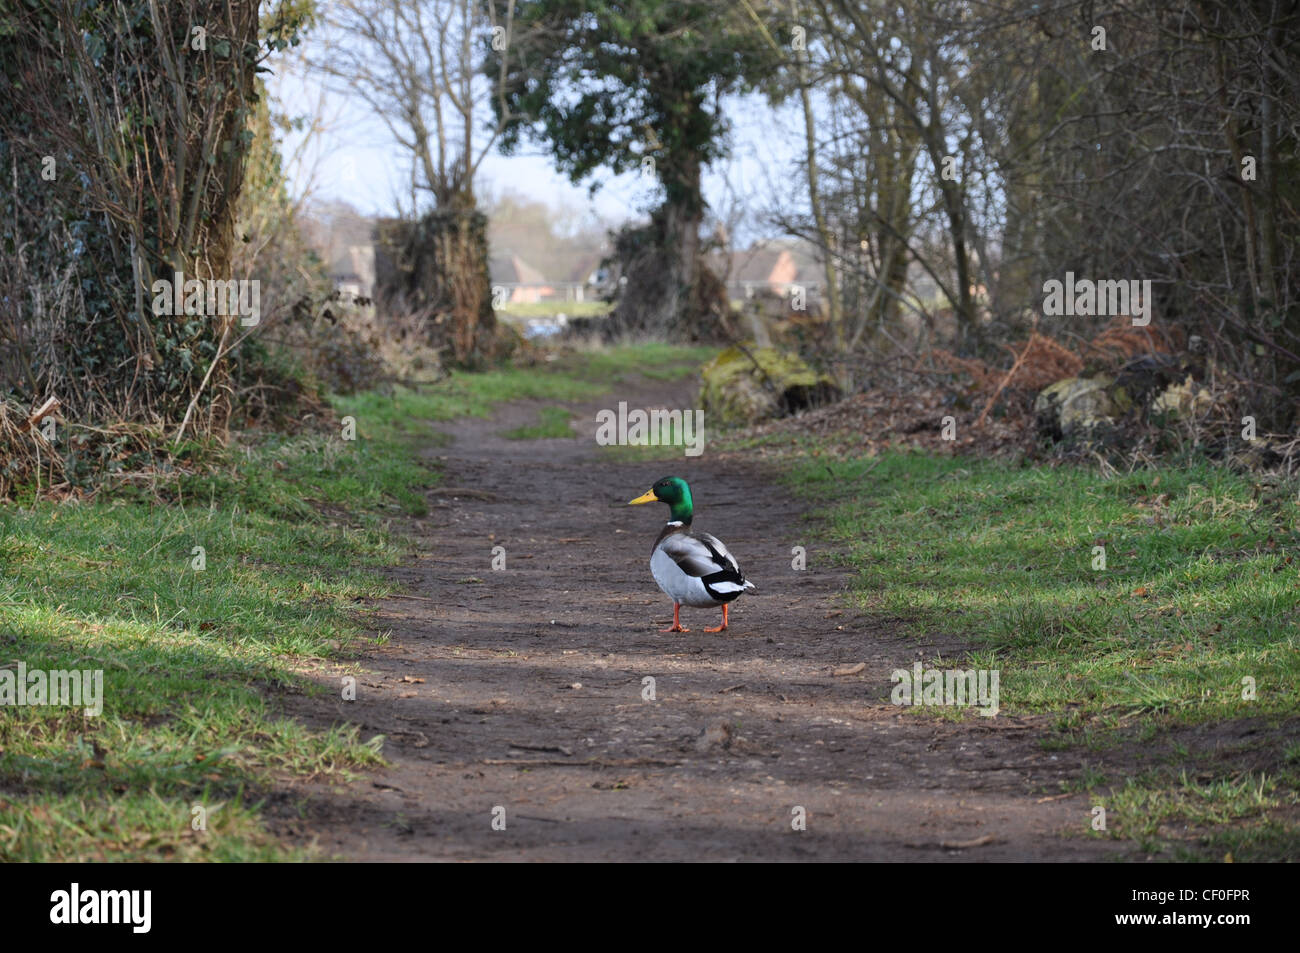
1152, 619
196, 613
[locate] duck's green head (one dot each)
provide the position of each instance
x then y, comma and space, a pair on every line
675, 492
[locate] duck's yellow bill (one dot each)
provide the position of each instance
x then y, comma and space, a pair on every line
647, 497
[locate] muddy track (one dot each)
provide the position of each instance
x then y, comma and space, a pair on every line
523, 689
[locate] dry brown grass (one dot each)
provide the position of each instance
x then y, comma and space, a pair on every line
26, 457
1041, 360
1120, 341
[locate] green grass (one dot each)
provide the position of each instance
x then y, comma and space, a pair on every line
551, 422
573, 376
291, 533
293, 530
1200, 583
655, 360
1141, 807
1199, 599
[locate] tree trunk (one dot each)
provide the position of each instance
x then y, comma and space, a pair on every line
664, 294
436, 268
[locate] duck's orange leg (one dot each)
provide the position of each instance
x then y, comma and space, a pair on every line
724, 619
677, 624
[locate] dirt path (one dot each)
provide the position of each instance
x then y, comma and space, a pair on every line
745, 726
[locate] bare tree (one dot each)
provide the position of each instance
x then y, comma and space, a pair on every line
414, 63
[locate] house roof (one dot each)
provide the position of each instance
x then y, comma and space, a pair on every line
758, 262
755, 264
514, 270
585, 266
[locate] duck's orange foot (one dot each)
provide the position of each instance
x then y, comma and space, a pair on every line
677, 622
724, 621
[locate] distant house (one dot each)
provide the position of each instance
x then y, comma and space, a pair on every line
524, 283
342, 237
586, 269
353, 270
589, 277
768, 266
572, 276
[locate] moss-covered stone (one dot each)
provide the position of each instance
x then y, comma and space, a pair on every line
1077, 405
1184, 399
747, 386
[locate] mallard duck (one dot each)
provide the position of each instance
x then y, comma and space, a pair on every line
694, 569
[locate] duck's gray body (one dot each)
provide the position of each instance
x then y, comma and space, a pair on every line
695, 569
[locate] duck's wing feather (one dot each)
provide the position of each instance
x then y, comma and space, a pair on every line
694, 555
725, 559
729, 578
704, 556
